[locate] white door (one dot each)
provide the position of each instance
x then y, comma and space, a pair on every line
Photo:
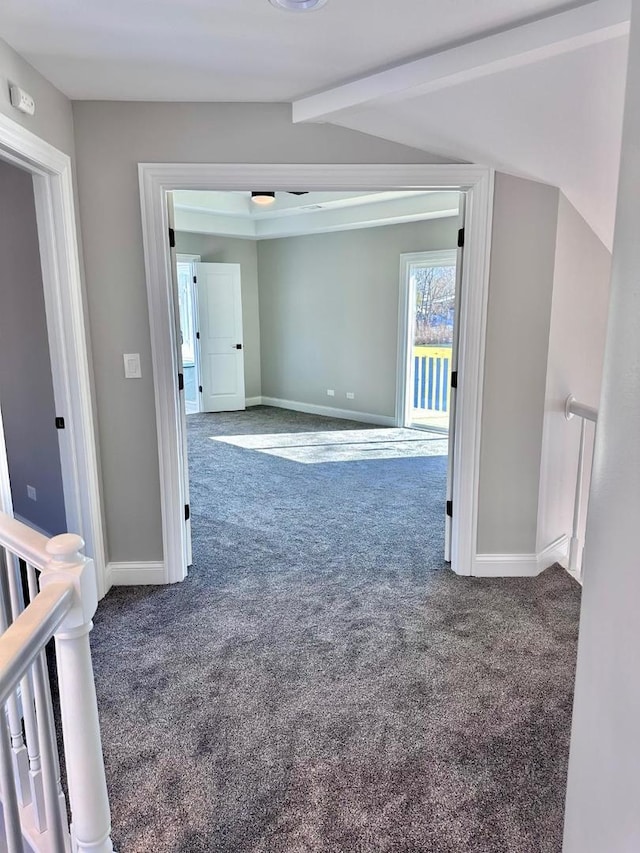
454, 386
183, 418
221, 342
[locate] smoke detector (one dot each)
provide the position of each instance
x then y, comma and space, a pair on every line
298, 5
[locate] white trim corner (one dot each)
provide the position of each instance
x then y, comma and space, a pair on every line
522, 565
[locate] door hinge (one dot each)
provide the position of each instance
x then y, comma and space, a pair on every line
454, 379
200, 388
187, 512
197, 336
195, 279
172, 238
59, 423
181, 382
450, 509
461, 238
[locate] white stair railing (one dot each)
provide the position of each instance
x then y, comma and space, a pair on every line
586, 414
62, 599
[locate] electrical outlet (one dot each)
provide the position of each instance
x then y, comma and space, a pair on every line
351, 395
331, 392
31, 493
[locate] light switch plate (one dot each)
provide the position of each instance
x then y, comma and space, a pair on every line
132, 368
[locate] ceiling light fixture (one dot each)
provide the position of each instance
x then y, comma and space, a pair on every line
263, 197
298, 5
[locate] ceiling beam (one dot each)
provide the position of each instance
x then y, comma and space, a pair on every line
521, 45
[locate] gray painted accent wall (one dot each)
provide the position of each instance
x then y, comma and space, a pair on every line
329, 312
111, 139
229, 250
26, 387
520, 291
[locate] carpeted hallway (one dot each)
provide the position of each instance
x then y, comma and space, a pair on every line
321, 682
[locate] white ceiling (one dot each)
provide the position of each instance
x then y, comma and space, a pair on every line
235, 50
233, 214
533, 87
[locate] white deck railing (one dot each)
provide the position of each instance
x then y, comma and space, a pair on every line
586, 414
60, 587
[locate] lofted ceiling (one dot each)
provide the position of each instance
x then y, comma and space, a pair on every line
532, 87
543, 100
558, 121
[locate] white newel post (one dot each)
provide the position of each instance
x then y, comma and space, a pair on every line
90, 814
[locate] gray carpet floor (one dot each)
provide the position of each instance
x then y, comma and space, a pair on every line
321, 682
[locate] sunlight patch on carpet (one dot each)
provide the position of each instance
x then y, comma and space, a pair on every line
350, 445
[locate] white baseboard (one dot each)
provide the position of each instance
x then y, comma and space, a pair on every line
506, 565
521, 565
135, 574
330, 412
556, 552
253, 401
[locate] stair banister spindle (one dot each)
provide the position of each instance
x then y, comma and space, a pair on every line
53, 794
91, 819
19, 755
11, 814
28, 707
55, 821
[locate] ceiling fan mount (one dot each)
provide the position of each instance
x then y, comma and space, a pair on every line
269, 196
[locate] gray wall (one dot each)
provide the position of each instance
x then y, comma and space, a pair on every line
111, 139
229, 250
574, 366
520, 290
53, 118
26, 389
602, 811
329, 312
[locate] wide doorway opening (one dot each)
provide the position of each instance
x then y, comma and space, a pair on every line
157, 185
288, 344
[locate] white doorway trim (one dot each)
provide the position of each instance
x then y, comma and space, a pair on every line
157, 179
68, 345
443, 257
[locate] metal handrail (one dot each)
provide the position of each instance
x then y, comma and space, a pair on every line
586, 413
25, 638
573, 407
